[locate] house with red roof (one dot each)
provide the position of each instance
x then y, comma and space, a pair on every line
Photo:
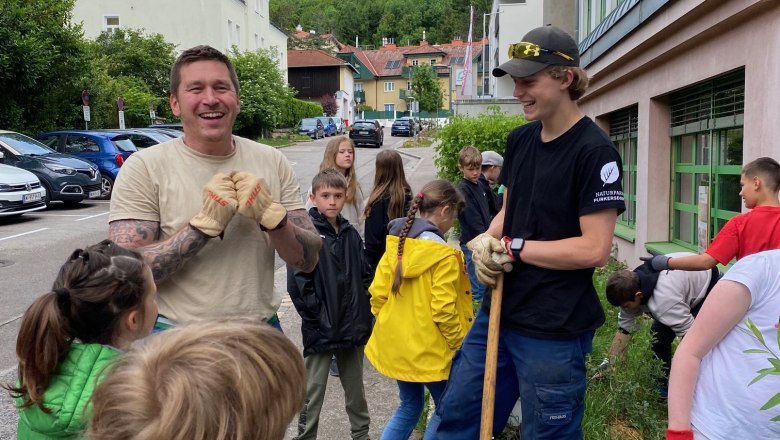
314, 73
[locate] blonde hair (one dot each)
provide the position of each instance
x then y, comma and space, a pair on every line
579, 84
469, 156
433, 195
216, 380
329, 161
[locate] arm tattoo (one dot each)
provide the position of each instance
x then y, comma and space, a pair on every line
164, 257
306, 234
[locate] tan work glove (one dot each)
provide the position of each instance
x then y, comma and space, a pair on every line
255, 202
219, 206
489, 257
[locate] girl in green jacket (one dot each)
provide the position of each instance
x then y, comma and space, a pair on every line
421, 297
103, 299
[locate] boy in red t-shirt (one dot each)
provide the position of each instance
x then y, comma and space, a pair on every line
745, 234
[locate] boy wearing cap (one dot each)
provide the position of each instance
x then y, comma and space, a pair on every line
492, 163
563, 195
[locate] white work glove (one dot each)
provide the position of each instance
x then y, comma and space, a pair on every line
490, 258
219, 206
255, 202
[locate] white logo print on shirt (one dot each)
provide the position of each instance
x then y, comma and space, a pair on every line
609, 173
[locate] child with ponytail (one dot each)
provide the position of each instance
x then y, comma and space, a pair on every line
421, 298
103, 299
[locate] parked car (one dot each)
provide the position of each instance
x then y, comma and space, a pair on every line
340, 125
367, 132
144, 138
403, 126
171, 125
312, 127
20, 191
106, 149
66, 178
329, 126
170, 132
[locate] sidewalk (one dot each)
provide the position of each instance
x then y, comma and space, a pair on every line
381, 391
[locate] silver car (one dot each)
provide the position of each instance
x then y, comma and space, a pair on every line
20, 192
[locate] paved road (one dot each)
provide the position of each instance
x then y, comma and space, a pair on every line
33, 247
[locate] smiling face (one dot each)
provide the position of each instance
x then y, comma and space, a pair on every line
208, 104
329, 202
344, 157
541, 94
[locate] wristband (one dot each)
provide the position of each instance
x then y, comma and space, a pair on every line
682, 434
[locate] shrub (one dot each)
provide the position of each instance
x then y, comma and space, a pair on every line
295, 109
486, 132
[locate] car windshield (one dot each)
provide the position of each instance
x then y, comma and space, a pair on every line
24, 145
363, 125
308, 122
124, 144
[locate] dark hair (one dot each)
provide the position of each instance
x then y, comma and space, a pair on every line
200, 53
622, 287
389, 180
433, 195
93, 291
767, 169
328, 177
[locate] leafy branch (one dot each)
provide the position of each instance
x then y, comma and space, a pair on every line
774, 360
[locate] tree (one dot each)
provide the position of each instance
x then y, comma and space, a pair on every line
426, 88
329, 104
130, 53
264, 92
44, 65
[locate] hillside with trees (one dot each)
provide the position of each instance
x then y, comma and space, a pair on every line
370, 21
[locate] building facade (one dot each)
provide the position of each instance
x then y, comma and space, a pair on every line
687, 91
223, 24
314, 73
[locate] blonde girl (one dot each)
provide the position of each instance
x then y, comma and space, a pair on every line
389, 199
103, 299
422, 302
340, 155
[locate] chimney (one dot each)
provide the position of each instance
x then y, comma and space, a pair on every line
423, 43
388, 43
312, 31
457, 41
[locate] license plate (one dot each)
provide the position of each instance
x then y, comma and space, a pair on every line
94, 194
27, 198
363, 132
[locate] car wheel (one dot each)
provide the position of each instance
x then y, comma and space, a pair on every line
106, 187
47, 197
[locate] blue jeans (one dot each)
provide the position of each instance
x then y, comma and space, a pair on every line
477, 288
547, 375
404, 419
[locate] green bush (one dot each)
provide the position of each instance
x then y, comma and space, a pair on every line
485, 132
295, 109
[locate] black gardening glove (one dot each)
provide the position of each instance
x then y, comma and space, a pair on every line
658, 262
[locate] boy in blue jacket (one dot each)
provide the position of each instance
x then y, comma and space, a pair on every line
333, 302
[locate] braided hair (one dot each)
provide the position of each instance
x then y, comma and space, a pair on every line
433, 195
94, 289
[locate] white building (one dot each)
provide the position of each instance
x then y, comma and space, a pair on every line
218, 23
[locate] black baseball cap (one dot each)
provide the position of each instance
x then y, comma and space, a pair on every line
549, 46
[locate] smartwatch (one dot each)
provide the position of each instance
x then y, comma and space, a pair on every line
515, 246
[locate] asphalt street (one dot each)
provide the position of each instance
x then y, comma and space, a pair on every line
33, 247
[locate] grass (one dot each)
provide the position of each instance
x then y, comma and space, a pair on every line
424, 139
285, 141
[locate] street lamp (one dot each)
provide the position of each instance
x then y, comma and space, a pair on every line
449, 81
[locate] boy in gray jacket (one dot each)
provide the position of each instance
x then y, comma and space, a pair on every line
672, 298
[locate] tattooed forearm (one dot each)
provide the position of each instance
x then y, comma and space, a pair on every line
165, 257
299, 243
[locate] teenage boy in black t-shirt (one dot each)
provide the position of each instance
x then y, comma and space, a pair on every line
563, 196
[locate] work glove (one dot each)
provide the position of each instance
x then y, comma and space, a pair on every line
255, 202
658, 262
490, 258
600, 371
682, 434
219, 206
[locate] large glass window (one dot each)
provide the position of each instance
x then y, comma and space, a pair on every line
623, 132
707, 137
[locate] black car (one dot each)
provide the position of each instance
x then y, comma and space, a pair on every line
403, 126
367, 132
66, 178
311, 127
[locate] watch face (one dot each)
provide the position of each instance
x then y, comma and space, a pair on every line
517, 244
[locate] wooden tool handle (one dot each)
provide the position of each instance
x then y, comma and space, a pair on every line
491, 361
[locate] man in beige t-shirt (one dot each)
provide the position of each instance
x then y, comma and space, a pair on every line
170, 201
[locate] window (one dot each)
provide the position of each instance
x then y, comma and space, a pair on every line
408, 85
433, 61
110, 22
390, 107
230, 35
257, 42
81, 144
259, 6
393, 64
623, 132
358, 87
707, 133
456, 60
238, 37
415, 62
389, 86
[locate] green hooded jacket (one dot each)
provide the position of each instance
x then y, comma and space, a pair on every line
67, 395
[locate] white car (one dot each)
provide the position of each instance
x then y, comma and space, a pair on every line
20, 191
